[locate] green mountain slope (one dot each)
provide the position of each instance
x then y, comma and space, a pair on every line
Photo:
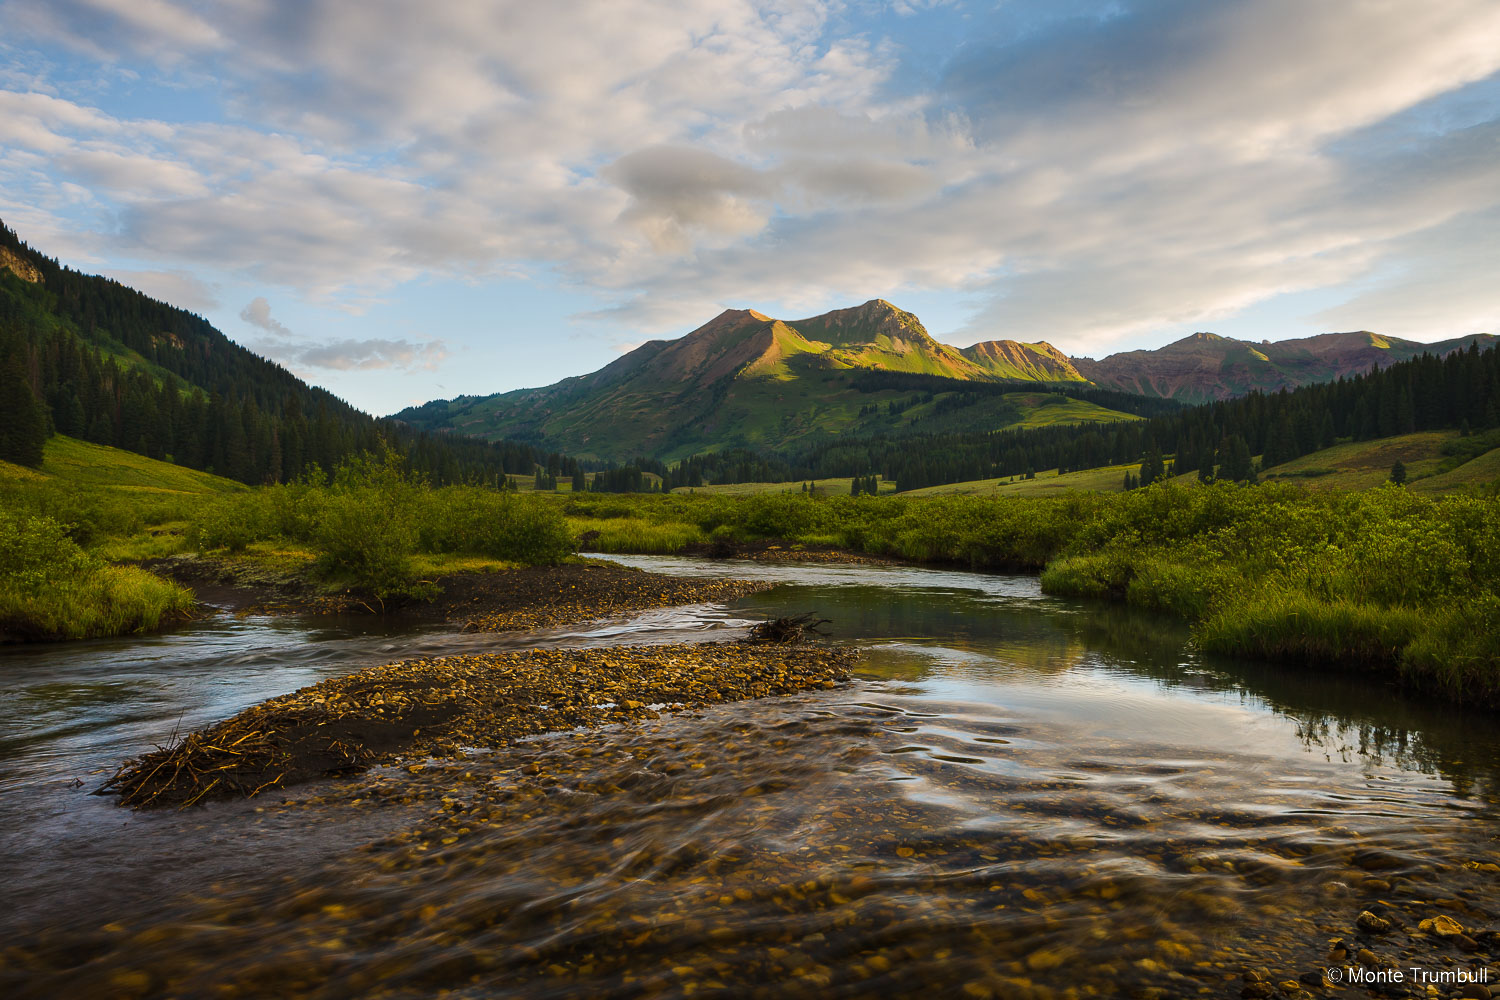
87, 357
745, 380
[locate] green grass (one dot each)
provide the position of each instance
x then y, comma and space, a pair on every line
1038, 410
1110, 479
114, 600
50, 588
68, 460
1361, 465
835, 487
626, 534
1481, 471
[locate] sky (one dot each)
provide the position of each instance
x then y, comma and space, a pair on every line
404, 201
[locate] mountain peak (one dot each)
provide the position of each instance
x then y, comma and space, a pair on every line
864, 324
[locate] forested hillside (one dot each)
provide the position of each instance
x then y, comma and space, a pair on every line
1218, 440
90, 358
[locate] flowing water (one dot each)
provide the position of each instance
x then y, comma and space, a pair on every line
1018, 796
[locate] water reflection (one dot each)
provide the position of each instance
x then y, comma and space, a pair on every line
1020, 797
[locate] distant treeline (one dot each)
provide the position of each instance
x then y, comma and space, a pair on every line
1460, 391
68, 348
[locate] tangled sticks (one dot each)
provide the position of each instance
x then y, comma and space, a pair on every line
435, 707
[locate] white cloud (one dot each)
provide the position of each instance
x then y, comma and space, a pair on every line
258, 313
1084, 179
349, 354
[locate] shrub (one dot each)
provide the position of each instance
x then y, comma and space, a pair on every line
498, 525
51, 588
367, 538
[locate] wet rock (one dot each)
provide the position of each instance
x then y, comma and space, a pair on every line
1441, 926
1257, 991
1371, 924
1474, 991
1367, 958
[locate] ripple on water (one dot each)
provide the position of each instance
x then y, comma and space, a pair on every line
1016, 801
779, 848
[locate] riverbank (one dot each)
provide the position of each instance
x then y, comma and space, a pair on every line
436, 708
1401, 586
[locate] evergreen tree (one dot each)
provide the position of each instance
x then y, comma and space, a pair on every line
1398, 473
1206, 468
23, 427
1152, 468
1326, 435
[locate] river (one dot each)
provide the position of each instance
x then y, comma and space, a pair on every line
1017, 796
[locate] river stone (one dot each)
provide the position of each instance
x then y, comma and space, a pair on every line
1441, 925
1370, 923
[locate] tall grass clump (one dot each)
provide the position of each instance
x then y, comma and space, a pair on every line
626, 534
50, 588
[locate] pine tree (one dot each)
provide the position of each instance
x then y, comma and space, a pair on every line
23, 425
1398, 473
1151, 469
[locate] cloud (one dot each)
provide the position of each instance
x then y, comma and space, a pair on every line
339, 355
348, 355
675, 191
1440, 285
258, 313
1078, 171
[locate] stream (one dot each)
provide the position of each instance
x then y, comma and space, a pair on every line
1018, 796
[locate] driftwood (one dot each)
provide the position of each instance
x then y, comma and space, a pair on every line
785, 631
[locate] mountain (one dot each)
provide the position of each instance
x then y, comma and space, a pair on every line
89, 358
1013, 360
1205, 367
746, 380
